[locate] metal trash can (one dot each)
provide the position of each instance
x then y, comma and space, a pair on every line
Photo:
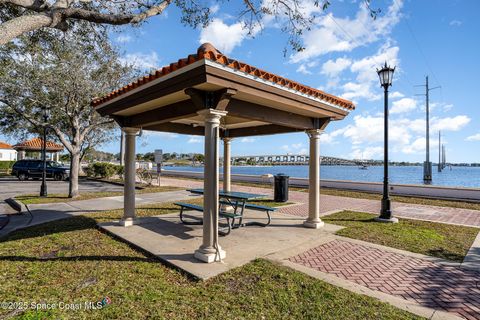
280, 193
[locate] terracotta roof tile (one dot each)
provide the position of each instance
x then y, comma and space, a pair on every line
208, 51
4, 145
37, 144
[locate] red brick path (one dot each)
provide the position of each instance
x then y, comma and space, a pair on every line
430, 284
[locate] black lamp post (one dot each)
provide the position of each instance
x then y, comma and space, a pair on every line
386, 75
43, 187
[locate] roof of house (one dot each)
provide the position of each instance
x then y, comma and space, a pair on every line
209, 52
37, 144
4, 145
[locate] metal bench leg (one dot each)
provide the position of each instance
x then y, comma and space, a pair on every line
260, 224
229, 229
189, 223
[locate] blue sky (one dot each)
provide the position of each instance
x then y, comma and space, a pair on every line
435, 38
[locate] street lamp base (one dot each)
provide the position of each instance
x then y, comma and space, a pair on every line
386, 220
43, 190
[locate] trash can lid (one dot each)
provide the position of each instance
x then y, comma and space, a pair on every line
281, 175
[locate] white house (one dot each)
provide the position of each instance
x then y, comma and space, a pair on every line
7, 153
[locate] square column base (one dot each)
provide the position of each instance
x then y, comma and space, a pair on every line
128, 222
391, 220
209, 257
313, 225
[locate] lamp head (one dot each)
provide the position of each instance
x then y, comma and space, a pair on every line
385, 75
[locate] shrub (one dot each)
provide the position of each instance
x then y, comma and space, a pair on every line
6, 164
101, 170
120, 170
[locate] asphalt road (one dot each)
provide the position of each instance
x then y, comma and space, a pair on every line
11, 187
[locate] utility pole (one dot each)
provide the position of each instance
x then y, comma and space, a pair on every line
439, 151
427, 165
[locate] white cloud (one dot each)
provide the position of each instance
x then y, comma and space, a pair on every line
475, 137
247, 140
329, 138
449, 123
455, 23
124, 38
333, 67
404, 105
303, 69
166, 135
396, 94
142, 61
294, 147
297, 145
195, 139
405, 135
367, 77
225, 37
335, 34
366, 153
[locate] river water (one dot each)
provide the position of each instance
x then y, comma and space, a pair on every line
456, 177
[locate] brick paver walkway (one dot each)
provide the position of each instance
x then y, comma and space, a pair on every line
329, 203
430, 284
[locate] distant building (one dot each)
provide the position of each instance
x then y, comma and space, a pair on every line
7, 153
32, 149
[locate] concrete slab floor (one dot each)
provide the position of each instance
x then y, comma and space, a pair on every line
174, 243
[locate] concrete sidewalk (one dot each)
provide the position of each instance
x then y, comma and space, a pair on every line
41, 213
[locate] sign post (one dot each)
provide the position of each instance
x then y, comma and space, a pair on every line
159, 161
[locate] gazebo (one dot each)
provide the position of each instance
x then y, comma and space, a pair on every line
212, 95
35, 145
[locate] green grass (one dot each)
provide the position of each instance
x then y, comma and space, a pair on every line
403, 199
53, 198
429, 238
71, 261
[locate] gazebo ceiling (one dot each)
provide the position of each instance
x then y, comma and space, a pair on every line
257, 102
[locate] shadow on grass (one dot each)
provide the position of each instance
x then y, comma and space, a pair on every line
352, 220
445, 254
65, 224
50, 257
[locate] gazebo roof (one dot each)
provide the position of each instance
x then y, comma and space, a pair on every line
257, 102
4, 145
36, 144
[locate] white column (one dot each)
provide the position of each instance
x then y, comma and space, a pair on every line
58, 156
226, 164
313, 220
210, 250
129, 183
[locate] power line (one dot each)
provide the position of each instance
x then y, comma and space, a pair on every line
417, 43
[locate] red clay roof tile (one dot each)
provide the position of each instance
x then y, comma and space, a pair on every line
4, 145
209, 52
37, 144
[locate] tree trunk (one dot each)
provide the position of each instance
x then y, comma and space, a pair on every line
74, 170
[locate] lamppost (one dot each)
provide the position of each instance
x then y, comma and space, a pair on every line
43, 187
386, 75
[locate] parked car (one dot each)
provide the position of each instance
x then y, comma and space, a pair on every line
25, 169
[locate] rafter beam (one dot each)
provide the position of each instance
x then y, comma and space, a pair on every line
177, 128
258, 131
178, 110
253, 111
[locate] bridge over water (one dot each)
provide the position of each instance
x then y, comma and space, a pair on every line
291, 159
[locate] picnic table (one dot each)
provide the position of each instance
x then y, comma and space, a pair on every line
238, 201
